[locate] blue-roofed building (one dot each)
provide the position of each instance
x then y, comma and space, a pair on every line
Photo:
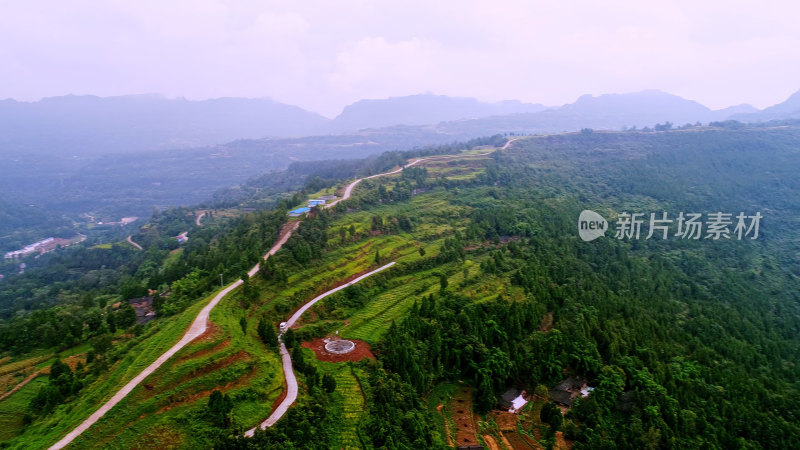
299, 211
316, 202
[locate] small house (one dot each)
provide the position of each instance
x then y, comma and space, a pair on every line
317, 202
144, 309
513, 399
569, 388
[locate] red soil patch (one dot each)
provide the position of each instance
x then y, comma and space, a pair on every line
505, 420
446, 425
225, 362
280, 398
361, 351
561, 443
288, 227
489, 440
520, 442
191, 398
461, 405
212, 333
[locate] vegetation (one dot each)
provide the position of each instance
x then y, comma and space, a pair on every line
687, 344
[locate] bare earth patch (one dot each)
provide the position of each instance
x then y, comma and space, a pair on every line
461, 407
362, 350
490, 442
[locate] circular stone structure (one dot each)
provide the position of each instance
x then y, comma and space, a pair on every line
340, 346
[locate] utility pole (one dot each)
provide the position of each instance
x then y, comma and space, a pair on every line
220, 281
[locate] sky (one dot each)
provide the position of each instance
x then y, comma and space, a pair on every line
322, 55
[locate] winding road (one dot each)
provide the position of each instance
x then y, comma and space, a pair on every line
197, 328
200, 324
130, 241
291, 380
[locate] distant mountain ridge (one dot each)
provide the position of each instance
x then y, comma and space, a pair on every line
88, 126
423, 109
788, 109
106, 125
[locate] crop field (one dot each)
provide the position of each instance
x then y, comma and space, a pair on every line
13, 408
352, 407
371, 322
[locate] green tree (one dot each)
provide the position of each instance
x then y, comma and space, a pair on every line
267, 333
219, 408
443, 281
551, 415
289, 338
126, 315
328, 383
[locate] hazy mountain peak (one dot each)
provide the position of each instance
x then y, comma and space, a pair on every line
423, 109
788, 109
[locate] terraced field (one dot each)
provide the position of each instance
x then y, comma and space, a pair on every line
352, 407
371, 322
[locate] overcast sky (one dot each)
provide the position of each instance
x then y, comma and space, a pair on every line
322, 54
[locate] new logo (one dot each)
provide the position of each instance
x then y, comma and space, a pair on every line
591, 225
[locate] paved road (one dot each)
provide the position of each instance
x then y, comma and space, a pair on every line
197, 328
200, 325
348, 190
288, 371
508, 143
130, 241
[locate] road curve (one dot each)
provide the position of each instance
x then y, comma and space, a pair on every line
288, 371
130, 241
508, 143
200, 325
348, 190
197, 328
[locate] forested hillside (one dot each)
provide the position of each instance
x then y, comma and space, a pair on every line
686, 343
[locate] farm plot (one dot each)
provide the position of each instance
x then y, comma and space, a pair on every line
352, 408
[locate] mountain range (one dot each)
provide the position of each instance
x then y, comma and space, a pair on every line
89, 125
125, 155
